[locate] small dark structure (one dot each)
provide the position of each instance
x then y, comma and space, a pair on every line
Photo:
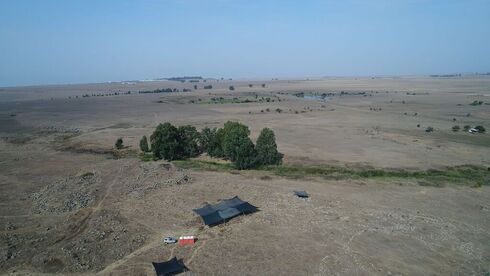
225, 210
171, 267
302, 194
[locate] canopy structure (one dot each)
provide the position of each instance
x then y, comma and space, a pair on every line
225, 210
171, 267
302, 194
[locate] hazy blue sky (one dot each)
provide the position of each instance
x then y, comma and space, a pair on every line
73, 41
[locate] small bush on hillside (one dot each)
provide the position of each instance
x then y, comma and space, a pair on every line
466, 127
119, 143
456, 128
480, 129
429, 129
144, 144
231, 87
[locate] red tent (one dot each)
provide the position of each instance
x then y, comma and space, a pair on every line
187, 240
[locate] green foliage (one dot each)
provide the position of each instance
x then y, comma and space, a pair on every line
165, 142
245, 155
429, 129
456, 128
188, 141
119, 143
466, 127
231, 142
267, 153
480, 129
231, 87
170, 143
234, 134
144, 144
475, 103
215, 146
205, 138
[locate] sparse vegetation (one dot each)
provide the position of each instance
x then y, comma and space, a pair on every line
429, 129
456, 128
475, 103
480, 129
231, 87
119, 143
461, 175
144, 144
466, 127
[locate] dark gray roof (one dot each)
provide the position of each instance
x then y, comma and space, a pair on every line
225, 210
171, 267
301, 193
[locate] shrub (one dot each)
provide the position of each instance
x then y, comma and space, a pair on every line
208, 87
456, 128
466, 127
475, 103
231, 87
480, 129
263, 85
144, 144
250, 85
429, 129
119, 143
267, 153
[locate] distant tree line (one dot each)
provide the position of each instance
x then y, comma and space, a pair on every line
232, 142
162, 90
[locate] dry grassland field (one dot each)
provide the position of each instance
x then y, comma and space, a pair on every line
387, 197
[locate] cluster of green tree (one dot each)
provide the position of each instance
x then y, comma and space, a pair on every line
232, 142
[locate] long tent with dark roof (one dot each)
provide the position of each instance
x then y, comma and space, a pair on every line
225, 210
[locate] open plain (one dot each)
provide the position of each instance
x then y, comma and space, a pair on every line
72, 204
